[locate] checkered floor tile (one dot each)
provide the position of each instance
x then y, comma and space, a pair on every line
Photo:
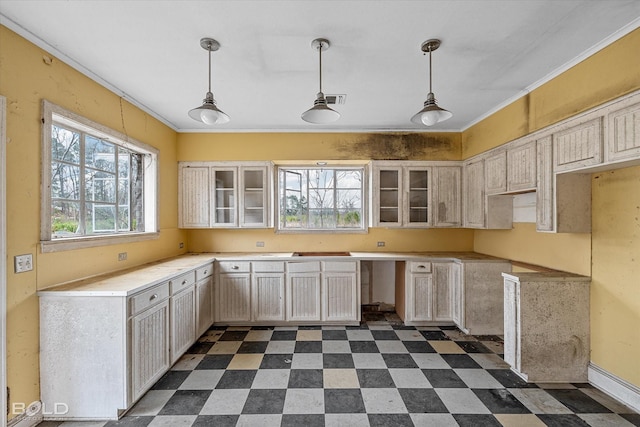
377, 374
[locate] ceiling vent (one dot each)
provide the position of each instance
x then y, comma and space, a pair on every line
336, 99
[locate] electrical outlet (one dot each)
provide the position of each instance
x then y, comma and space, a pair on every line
259, 244
181, 245
122, 256
380, 244
23, 263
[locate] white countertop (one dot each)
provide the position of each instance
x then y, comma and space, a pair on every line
128, 282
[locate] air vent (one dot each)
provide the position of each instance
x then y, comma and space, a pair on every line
336, 99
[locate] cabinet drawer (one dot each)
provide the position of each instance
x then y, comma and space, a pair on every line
204, 272
420, 267
183, 281
348, 266
302, 267
234, 266
148, 298
268, 266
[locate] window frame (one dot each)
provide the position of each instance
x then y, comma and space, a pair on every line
346, 166
52, 113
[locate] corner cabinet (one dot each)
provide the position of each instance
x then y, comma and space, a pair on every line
415, 194
224, 195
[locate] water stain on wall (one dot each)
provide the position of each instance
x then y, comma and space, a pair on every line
402, 146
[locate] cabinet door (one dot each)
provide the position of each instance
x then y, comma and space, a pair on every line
544, 190
194, 197
442, 291
253, 197
224, 184
578, 146
267, 296
149, 348
474, 195
457, 295
447, 198
422, 295
521, 167
204, 307
339, 296
496, 173
183, 322
387, 184
417, 209
303, 296
233, 297
511, 324
624, 134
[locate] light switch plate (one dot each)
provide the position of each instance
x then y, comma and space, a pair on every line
23, 263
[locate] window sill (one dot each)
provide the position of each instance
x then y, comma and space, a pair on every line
321, 231
94, 241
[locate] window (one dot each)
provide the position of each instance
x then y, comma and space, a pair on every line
100, 186
312, 199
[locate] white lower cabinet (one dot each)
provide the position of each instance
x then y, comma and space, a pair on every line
303, 291
105, 341
267, 291
340, 300
149, 348
204, 299
233, 297
430, 292
546, 326
442, 291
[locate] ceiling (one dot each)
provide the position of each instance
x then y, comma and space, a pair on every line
266, 73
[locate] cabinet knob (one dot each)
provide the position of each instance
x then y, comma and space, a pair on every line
152, 297
206, 271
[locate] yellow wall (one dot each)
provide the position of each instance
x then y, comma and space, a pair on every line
27, 75
615, 286
610, 73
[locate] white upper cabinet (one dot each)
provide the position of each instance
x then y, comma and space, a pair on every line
544, 191
623, 140
416, 194
495, 166
578, 146
521, 167
224, 195
474, 194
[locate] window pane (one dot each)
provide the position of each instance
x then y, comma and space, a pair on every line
123, 163
65, 145
123, 218
65, 218
99, 154
349, 199
137, 185
123, 191
349, 179
100, 186
322, 218
349, 218
321, 178
100, 218
65, 181
320, 198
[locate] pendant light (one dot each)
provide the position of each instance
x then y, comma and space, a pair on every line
208, 113
431, 113
320, 113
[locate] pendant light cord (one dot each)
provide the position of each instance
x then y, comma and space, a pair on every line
430, 73
209, 49
320, 67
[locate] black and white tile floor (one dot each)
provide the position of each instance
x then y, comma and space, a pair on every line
378, 374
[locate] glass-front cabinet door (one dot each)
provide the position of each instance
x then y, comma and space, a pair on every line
254, 197
388, 209
418, 209
224, 187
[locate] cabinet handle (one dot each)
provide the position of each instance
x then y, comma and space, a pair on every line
235, 267
206, 271
184, 282
152, 297
422, 266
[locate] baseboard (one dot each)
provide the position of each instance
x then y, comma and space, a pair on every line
625, 392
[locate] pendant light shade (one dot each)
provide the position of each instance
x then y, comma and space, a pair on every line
208, 113
431, 113
320, 113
